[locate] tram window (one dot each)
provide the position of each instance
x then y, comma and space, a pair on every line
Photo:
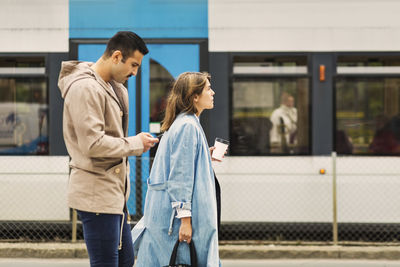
368, 106
160, 84
23, 106
270, 113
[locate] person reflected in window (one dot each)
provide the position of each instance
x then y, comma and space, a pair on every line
156, 116
344, 144
284, 125
387, 136
42, 139
158, 109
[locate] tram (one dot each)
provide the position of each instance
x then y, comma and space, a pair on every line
307, 93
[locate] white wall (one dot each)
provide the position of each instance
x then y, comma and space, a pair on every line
304, 25
34, 26
291, 189
34, 188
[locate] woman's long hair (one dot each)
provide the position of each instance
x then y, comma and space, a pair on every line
182, 94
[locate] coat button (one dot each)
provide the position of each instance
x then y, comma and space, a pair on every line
121, 113
117, 170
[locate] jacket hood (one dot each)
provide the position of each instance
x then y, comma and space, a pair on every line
72, 71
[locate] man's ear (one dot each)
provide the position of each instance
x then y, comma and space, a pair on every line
116, 56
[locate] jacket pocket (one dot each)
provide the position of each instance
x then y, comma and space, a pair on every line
156, 186
113, 165
106, 164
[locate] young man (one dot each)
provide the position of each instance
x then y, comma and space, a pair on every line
95, 125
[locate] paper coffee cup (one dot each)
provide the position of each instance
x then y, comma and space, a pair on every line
221, 146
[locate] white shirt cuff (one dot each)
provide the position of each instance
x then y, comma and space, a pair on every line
182, 213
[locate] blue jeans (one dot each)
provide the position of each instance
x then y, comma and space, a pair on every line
102, 236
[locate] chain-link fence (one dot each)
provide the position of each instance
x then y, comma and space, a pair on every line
270, 199
33, 200
296, 199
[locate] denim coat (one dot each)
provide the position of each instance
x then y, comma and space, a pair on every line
181, 177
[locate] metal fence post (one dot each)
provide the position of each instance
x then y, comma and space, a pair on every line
74, 225
335, 225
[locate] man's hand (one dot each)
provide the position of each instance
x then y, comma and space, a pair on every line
148, 141
185, 231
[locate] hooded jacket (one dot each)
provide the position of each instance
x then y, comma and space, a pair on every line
95, 120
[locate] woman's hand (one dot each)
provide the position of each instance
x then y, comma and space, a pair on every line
212, 148
185, 231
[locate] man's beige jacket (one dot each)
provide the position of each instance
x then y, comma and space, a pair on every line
95, 123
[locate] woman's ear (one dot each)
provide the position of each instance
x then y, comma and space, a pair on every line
196, 98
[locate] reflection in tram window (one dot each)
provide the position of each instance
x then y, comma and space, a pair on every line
270, 117
368, 105
160, 84
23, 116
270, 113
367, 111
23, 106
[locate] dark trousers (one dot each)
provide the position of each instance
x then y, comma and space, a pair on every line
218, 197
102, 236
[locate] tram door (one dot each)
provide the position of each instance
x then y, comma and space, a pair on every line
147, 96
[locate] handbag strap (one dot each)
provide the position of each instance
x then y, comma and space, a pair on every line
193, 256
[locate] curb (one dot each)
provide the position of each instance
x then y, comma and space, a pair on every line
308, 252
78, 250
43, 250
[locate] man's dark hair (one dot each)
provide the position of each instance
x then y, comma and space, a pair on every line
127, 42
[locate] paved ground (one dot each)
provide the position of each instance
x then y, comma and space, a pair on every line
309, 263
78, 250
44, 263
225, 263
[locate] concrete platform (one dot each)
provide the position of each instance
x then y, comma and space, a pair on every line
227, 251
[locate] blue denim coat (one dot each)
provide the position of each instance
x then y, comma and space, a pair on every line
181, 177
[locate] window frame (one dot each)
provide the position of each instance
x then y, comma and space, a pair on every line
270, 76
336, 76
44, 75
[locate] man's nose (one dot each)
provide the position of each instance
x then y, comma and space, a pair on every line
135, 71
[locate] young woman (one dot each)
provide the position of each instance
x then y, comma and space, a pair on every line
181, 202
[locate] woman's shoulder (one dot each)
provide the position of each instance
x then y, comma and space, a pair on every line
184, 123
185, 119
